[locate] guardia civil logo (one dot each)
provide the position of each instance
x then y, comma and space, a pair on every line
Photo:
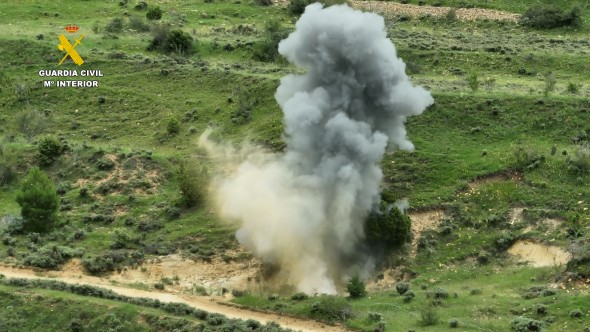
65, 45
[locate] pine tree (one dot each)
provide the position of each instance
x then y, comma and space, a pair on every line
39, 202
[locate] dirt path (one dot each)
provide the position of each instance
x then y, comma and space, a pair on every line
208, 304
465, 14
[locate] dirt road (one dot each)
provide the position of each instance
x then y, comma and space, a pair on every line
208, 304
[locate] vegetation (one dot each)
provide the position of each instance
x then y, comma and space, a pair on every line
356, 287
38, 201
519, 142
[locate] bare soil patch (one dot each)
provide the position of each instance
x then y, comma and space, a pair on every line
539, 255
423, 221
464, 14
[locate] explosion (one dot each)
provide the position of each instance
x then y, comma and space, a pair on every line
305, 209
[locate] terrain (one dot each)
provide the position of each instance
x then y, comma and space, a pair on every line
498, 184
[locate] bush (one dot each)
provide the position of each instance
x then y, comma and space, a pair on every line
388, 226
49, 149
115, 25
576, 313
191, 184
39, 202
138, 24
453, 323
402, 287
52, 256
175, 41
428, 317
549, 17
154, 14
523, 324
31, 123
472, 82
245, 104
297, 7
268, 49
573, 88
331, 309
173, 126
409, 296
299, 297
356, 287
7, 174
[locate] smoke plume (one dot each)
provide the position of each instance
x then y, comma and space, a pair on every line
305, 209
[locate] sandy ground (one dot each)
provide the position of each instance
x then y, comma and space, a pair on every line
209, 304
465, 14
539, 255
423, 221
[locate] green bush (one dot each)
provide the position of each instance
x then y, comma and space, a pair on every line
268, 49
154, 14
175, 41
388, 226
523, 324
297, 7
409, 296
428, 316
7, 173
39, 202
173, 126
31, 123
402, 287
331, 309
52, 256
356, 287
115, 25
49, 149
191, 183
549, 17
138, 24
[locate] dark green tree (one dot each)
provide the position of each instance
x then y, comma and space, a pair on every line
191, 183
388, 226
356, 288
39, 202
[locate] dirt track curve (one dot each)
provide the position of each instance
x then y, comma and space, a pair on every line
208, 304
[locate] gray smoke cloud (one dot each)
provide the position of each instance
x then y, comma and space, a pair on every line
305, 209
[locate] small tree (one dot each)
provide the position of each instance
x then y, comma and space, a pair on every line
191, 183
154, 14
356, 288
39, 202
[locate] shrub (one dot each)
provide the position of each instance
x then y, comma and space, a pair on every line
388, 226
297, 7
191, 184
402, 287
264, 2
453, 323
428, 317
573, 88
115, 25
39, 202
549, 17
268, 49
31, 123
138, 24
175, 41
472, 82
356, 287
580, 162
550, 82
154, 14
245, 104
7, 174
49, 149
173, 126
52, 256
409, 296
299, 296
576, 313
331, 309
523, 324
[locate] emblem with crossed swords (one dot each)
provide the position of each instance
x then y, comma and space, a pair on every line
69, 48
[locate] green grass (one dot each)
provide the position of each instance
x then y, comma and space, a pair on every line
465, 136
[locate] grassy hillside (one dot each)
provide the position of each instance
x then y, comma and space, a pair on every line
509, 130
